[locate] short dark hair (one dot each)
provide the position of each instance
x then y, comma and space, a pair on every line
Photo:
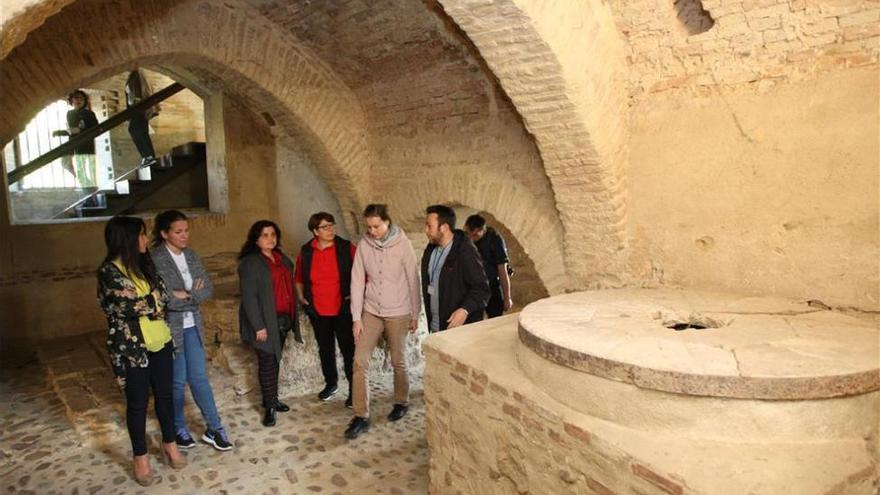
250, 245
87, 103
475, 222
377, 210
317, 218
445, 215
163, 222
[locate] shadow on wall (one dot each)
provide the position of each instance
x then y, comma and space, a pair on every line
526, 286
693, 17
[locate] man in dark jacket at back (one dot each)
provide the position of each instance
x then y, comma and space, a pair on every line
454, 284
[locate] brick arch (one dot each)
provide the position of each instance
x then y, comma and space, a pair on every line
563, 67
535, 226
20, 17
227, 40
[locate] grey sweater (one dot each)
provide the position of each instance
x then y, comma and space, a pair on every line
167, 269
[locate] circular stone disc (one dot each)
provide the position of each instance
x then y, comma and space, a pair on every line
752, 347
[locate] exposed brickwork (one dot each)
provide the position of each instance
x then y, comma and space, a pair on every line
448, 96
229, 40
577, 117
533, 224
20, 17
220, 267
754, 43
36, 276
661, 482
447, 116
578, 458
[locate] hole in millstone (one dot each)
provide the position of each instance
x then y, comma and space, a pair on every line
693, 321
685, 326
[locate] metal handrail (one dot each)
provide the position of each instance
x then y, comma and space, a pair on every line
90, 134
96, 192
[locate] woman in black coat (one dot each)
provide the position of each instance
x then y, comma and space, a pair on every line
268, 308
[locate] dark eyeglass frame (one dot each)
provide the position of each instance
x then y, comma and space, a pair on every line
326, 226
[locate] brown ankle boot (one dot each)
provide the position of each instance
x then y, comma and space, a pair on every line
143, 478
176, 461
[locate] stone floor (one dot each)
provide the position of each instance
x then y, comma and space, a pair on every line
62, 430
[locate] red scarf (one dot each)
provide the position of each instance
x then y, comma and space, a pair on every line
282, 285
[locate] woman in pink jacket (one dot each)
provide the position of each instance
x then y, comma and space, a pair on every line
385, 302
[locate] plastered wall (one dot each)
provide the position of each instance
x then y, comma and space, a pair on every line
766, 193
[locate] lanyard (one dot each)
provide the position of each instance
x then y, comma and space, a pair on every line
439, 252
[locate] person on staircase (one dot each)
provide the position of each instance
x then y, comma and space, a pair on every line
134, 299
181, 269
137, 89
80, 118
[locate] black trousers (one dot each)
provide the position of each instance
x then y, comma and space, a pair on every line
267, 373
139, 131
159, 376
495, 306
330, 330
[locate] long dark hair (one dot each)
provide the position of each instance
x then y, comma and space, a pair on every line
121, 237
162, 223
250, 245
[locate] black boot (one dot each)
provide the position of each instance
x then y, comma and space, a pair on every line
357, 426
281, 407
269, 417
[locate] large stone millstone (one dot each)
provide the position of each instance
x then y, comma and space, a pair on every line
656, 391
706, 344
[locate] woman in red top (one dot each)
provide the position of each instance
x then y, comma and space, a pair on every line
267, 310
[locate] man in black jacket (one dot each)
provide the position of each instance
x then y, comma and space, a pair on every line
454, 284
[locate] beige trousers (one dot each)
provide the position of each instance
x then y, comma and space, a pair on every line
394, 330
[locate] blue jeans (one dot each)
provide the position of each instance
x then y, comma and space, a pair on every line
189, 367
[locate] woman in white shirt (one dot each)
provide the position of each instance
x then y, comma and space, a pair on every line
182, 271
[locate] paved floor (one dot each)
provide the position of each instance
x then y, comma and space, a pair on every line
62, 431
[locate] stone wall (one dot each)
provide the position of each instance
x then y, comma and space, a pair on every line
753, 43
754, 147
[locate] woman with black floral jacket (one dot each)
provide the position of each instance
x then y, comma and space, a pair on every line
133, 298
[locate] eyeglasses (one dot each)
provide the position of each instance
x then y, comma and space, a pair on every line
326, 226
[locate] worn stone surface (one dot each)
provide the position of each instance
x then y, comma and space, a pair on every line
745, 347
48, 444
494, 425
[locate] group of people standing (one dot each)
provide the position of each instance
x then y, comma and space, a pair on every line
353, 296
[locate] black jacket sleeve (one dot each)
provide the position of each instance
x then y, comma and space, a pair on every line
474, 279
